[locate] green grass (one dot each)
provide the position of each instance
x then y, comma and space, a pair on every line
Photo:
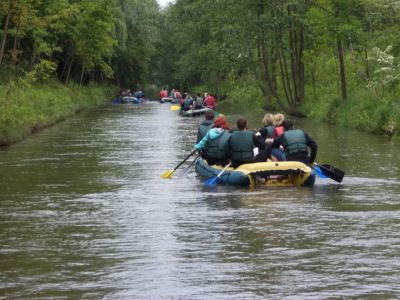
26, 108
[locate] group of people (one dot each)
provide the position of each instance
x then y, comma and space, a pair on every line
188, 102
138, 94
276, 140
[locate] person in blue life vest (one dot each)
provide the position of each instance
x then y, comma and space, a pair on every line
215, 142
242, 143
296, 143
187, 103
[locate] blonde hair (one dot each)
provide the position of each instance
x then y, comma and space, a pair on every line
267, 120
278, 119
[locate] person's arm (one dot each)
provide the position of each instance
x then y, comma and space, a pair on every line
201, 145
259, 141
277, 142
313, 146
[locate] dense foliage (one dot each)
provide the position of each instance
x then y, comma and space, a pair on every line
84, 39
334, 60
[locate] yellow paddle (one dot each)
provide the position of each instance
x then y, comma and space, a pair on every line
168, 174
175, 107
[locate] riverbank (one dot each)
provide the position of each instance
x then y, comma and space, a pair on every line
25, 109
364, 109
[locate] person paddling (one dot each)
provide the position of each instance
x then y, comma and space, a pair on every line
215, 142
296, 143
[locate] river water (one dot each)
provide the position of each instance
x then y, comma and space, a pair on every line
84, 214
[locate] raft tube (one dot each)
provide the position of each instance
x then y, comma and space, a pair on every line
130, 100
282, 173
194, 112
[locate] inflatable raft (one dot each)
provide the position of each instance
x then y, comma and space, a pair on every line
194, 112
130, 100
283, 173
169, 100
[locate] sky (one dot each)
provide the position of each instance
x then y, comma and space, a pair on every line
164, 3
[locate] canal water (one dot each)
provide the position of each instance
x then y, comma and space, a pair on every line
84, 214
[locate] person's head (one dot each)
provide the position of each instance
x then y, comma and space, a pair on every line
241, 123
268, 120
221, 122
209, 115
278, 119
198, 95
287, 124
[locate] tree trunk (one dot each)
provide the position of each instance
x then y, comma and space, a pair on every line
82, 73
5, 31
342, 70
14, 55
69, 71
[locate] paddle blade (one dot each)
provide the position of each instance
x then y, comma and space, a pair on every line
332, 172
319, 172
167, 174
174, 107
211, 181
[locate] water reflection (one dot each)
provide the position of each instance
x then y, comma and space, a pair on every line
85, 214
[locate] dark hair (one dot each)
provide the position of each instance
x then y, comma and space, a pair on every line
209, 115
287, 124
241, 123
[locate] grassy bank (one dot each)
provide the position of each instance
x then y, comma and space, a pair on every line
25, 109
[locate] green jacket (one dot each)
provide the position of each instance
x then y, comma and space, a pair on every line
241, 146
295, 142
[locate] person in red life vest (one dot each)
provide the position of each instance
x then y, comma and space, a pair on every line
279, 129
209, 101
163, 94
277, 154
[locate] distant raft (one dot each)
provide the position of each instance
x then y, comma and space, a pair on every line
130, 100
169, 100
194, 112
282, 173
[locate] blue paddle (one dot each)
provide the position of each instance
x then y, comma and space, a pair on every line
213, 181
318, 171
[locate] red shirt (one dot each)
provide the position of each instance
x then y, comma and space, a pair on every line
279, 130
210, 102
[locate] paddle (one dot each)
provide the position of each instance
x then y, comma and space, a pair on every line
191, 164
331, 172
168, 174
175, 107
213, 181
318, 171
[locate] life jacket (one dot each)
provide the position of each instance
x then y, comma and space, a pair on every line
279, 130
241, 146
178, 95
295, 142
210, 102
199, 101
204, 127
218, 148
269, 130
187, 103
